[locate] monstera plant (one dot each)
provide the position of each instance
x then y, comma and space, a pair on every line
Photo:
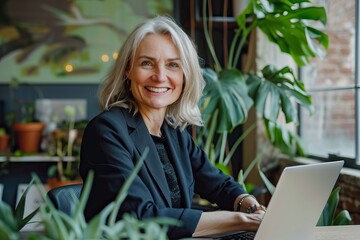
231, 92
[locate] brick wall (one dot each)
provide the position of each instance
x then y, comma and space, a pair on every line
349, 181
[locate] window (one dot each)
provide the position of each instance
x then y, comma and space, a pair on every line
333, 131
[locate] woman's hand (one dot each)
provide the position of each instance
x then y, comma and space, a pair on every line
251, 221
225, 221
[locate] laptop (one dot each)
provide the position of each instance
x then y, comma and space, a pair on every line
297, 203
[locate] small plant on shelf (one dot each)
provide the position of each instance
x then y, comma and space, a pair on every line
67, 142
26, 128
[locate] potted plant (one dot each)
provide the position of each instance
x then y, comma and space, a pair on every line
27, 129
28, 132
67, 140
231, 92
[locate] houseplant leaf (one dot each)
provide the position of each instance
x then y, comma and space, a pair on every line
343, 218
20, 209
269, 186
227, 92
274, 91
332, 204
277, 91
328, 217
282, 138
8, 225
11, 222
286, 24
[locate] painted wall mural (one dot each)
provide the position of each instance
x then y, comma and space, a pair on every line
67, 41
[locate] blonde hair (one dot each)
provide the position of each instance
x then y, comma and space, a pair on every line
115, 90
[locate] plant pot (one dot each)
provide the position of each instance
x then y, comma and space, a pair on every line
28, 136
4, 143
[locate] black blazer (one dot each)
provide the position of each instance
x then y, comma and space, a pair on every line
112, 143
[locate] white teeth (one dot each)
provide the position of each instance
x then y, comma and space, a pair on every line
157, 90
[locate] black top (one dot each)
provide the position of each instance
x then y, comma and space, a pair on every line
169, 171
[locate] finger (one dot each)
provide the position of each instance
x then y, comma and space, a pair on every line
256, 217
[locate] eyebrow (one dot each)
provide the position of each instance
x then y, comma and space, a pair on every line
154, 59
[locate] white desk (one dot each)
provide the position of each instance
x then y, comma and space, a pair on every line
349, 232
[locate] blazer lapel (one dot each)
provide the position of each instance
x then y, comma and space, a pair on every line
142, 139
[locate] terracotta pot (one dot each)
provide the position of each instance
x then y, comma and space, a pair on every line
54, 182
4, 143
28, 136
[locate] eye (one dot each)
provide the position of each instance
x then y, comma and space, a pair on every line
173, 65
146, 63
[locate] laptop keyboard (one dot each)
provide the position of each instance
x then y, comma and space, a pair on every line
238, 236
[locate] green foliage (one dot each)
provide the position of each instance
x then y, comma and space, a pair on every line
224, 106
273, 92
286, 141
11, 222
243, 175
26, 109
287, 23
329, 216
230, 93
227, 92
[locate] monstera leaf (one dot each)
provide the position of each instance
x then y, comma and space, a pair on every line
275, 90
287, 25
225, 92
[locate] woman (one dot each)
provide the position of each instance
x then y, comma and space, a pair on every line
148, 99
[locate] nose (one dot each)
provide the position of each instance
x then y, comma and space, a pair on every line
160, 74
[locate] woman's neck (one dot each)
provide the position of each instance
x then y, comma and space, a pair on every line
153, 122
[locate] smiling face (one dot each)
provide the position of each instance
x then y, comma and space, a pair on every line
156, 75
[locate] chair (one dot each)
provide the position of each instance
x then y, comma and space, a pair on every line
64, 197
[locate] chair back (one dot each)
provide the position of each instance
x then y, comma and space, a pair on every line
65, 197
